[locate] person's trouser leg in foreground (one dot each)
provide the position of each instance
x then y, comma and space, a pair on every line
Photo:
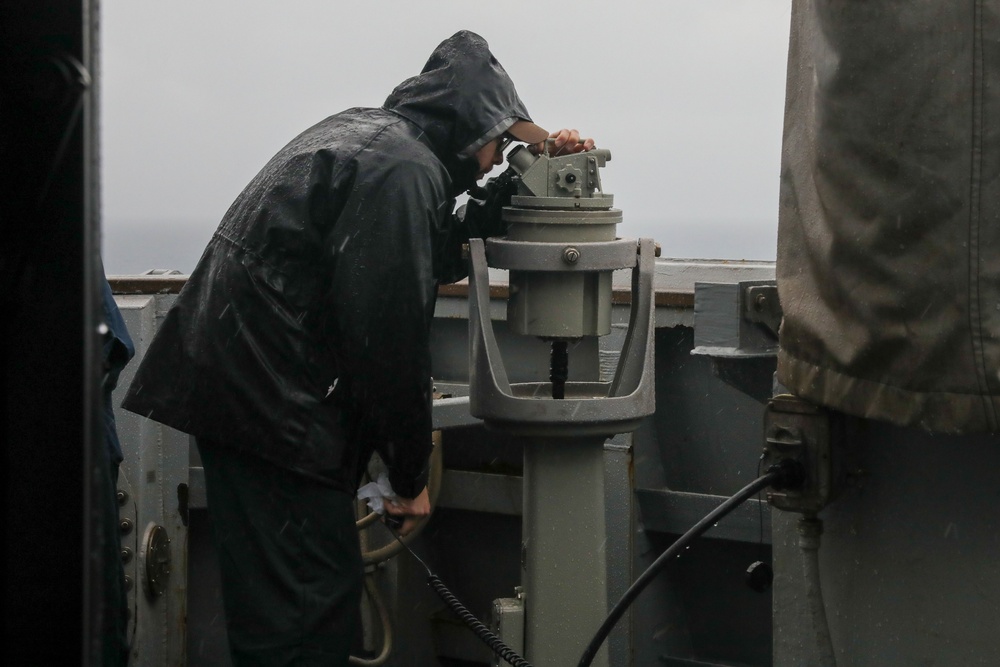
290, 562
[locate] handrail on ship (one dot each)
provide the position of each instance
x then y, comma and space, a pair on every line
673, 283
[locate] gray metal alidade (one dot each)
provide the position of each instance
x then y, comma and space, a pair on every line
561, 250
559, 201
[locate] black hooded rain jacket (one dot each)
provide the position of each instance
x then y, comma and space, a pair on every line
302, 335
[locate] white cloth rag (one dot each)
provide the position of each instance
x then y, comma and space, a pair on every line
377, 492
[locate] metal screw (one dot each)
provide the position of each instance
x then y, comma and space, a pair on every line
122, 497
126, 554
760, 303
128, 583
125, 526
571, 255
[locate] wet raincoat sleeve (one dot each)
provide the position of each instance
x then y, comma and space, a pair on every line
481, 217
384, 289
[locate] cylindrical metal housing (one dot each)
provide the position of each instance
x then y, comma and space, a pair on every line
560, 303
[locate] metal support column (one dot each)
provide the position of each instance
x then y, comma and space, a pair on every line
565, 571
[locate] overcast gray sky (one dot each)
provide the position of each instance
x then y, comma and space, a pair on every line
687, 94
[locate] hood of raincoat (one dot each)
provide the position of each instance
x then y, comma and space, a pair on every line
302, 336
462, 99
888, 260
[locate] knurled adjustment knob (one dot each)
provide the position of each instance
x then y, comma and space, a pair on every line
569, 178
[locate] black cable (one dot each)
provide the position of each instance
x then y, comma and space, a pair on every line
559, 368
485, 634
786, 474
760, 505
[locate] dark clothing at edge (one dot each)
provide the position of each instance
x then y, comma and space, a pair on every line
117, 351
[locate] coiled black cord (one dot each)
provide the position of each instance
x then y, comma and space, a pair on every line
484, 633
786, 474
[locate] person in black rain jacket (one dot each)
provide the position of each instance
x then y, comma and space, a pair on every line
300, 342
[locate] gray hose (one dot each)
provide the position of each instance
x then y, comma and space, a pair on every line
391, 549
367, 520
383, 614
810, 529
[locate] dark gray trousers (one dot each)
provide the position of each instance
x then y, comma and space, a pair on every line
290, 562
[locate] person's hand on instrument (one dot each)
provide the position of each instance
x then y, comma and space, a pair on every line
563, 142
411, 509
